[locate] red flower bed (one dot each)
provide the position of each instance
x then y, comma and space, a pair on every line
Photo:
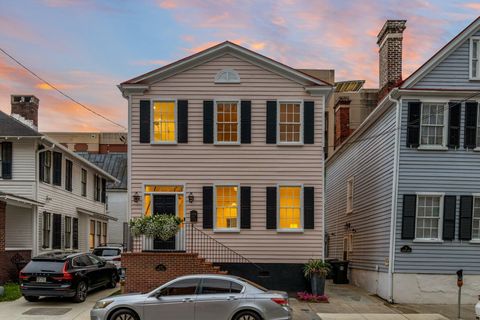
308, 297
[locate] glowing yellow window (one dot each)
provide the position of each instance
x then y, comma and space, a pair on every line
290, 122
226, 207
164, 126
290, 208
227, 121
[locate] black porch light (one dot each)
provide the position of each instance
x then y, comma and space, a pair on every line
191, 197
136, 197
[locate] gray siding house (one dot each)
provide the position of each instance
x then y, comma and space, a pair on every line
403, 192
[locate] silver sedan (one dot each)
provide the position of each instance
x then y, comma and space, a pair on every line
198, 297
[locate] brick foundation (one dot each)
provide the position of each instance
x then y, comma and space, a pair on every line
8, 269
142, 276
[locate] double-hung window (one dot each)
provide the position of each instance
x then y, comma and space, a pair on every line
227, 116
476, 219
68, 175
46, 230
91, 235
99, 233
226, 208
47, 167
68, 232
164, 124
429, 217
84, 182
290, 208
104, 233
433, 126
290, 122
97, 188
474, 58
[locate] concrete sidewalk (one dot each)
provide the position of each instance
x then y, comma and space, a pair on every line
52, 308
348, 302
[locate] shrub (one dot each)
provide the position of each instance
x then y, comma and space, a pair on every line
161, 226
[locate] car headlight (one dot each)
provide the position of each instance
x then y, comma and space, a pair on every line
102, 304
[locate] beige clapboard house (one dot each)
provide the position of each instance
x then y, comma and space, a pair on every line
237, 139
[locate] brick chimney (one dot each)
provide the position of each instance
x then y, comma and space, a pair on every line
26, 106
389, 40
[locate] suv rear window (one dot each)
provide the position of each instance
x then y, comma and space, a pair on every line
106, 252
44, 266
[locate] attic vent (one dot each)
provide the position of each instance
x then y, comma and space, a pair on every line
227, 76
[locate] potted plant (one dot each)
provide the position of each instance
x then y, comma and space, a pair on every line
158, 226
317, 271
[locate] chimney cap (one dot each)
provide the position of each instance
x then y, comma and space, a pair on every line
391, 26
24, 98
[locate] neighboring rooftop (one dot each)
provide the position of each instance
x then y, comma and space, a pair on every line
349, 86
11, 127
113, 163
327, 75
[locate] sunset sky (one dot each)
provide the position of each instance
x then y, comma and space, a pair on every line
88, 47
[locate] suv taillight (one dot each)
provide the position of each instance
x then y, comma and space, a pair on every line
280, 301
66, 275
22, 276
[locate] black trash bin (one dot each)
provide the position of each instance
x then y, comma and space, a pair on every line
340, 272
330, 273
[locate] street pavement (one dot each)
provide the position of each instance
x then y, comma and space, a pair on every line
52, 308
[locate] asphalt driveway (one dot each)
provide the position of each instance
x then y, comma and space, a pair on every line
52, 308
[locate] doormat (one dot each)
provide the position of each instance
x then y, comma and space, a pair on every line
47, 311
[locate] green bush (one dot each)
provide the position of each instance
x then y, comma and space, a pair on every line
316, 266
12, 292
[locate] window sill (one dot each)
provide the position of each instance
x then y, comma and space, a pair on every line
163, 143
292, 144
226, 230
226, 144
475, 241
289, 230
427, 241
432, 148
477, 149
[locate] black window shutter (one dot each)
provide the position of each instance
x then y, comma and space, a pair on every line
245, 207
208, 121
57, 231
271, 207
104, 190
207, 207
41, 164
454, 125
68, 175
470, 125
57, 168
6, 148
272, 122
145, 121
308, 122
246, 122
75, 233
308, 208
182, 114
466, 208
413, 127
408, 216
449, 213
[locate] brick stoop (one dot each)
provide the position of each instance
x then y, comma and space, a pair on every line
146, 271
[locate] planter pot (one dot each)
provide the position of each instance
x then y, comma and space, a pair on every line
318, 284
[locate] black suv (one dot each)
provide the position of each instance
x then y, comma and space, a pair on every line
62, 274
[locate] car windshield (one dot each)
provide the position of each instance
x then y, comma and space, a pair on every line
44, 266
106, 252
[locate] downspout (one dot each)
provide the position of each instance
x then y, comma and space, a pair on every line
129, 169
393, 222
324, 182
37, 183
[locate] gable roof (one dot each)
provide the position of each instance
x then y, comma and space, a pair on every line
113, 163
453, 44
11, 127
219, 50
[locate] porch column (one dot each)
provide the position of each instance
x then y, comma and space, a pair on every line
3, 216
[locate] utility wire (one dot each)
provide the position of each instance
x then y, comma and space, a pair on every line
61, 92
387, 131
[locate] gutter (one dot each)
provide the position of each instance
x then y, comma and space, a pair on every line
393, 216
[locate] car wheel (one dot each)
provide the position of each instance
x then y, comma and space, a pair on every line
247, 315
113, 281
81, 293
123, 314
31, 298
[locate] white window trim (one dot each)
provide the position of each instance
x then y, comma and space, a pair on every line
301, 229
229, 70
350, 207
215, 229
470, 58
81, 183
64, 177
445, 127
152, 135
51, 231
474, 241
162, 184
65, 230
440, 222
239, 122
300, 143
